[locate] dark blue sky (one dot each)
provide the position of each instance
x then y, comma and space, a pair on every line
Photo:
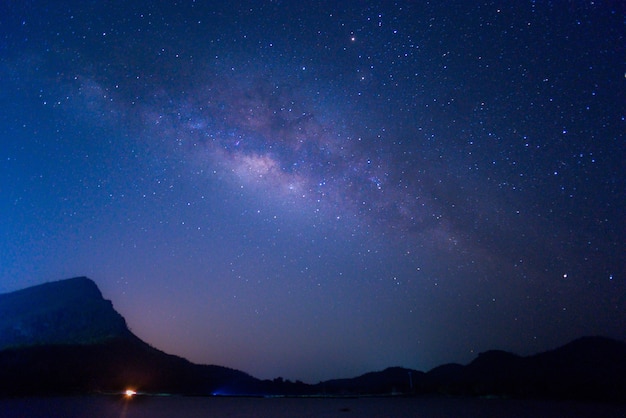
320, 189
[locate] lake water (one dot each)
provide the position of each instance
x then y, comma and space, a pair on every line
190, 407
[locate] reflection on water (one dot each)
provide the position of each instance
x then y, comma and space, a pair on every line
190, 407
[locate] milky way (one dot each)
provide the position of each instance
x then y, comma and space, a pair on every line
270, 138
315, 191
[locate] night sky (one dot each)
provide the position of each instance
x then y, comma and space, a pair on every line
320, 189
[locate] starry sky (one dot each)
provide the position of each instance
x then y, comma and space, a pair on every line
320, 189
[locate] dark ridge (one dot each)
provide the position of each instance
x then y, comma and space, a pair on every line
112, 366
65, 338
70, 311
389, 381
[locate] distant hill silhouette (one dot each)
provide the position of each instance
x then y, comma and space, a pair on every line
393, 380
63, 337
69, 311
592, 368
587, 368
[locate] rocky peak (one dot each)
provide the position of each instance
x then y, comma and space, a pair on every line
70, 311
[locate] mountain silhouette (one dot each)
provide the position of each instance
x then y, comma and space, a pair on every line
64, 338
70, 311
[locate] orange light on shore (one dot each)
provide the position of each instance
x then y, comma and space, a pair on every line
129, 393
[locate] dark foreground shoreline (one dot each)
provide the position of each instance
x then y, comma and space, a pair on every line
101, 406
